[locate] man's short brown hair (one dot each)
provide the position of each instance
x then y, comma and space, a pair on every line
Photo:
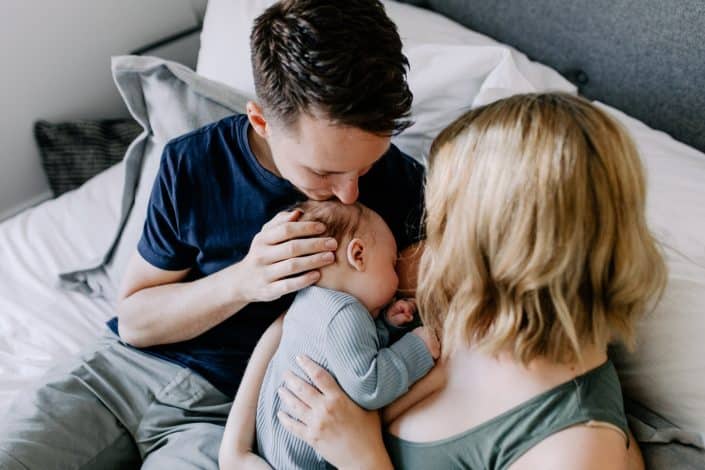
341, 60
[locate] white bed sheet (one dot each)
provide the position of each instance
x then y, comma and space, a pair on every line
41, 324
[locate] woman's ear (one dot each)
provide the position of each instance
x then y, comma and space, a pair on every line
356, 254
257, 119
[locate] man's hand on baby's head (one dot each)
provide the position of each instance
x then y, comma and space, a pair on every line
401, 312
284, 257
430, 340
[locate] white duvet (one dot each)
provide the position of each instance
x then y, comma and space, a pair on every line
40, 324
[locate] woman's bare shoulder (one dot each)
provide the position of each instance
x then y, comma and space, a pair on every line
580, 448
440, 414
418, 422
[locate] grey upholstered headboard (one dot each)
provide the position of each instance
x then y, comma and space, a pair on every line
645, 57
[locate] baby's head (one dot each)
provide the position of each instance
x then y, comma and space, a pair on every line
367, 252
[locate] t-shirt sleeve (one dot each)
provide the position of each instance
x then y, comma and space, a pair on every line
161, 244
372, 376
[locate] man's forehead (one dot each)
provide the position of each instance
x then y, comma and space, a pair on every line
340, 162
330, 155
309, 125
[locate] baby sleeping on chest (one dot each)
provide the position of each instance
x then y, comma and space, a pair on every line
341, 324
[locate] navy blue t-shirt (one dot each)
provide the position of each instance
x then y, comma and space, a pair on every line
211, 197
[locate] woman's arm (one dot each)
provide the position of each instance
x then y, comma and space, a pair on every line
431, 382
636, 460
324, 417
583, 447
239, 436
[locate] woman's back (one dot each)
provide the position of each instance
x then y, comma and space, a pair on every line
496, 414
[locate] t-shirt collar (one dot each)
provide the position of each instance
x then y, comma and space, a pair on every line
275, 182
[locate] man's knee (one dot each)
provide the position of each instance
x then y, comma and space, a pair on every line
59, 425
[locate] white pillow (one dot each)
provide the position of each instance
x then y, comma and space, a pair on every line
39, 323
667, 371
452, 67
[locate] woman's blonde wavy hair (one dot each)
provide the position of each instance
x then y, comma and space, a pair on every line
537, 241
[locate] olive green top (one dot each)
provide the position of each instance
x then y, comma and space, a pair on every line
497, 443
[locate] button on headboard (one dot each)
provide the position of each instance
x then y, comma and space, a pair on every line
645, 57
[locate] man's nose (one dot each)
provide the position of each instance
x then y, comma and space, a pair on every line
347, 191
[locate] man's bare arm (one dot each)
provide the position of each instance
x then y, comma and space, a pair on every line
157, 307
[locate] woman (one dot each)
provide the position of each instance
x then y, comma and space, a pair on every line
537, 256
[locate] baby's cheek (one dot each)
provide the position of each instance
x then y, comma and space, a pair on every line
395, 278
393, 286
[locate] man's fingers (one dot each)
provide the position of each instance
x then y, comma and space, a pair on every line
321, 378
301, 247
289, 267
295, 215
284, 216
289, 230
292, 284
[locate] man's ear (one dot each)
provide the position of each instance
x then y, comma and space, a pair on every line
257, 119
356, 254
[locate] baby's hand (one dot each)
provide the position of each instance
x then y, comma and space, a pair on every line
429, 339
401, 312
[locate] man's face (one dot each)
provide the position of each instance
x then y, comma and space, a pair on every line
324, 160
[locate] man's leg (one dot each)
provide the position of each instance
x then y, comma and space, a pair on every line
63, 424
184, 425
192, 448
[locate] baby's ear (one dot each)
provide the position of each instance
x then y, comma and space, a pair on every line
356, 254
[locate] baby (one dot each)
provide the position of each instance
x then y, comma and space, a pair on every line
336, 324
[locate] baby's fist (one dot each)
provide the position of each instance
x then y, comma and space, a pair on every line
401, 312
429, 339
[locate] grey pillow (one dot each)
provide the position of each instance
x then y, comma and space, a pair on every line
662, 443
167, 99
75, 151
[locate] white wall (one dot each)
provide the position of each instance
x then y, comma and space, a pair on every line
55, 65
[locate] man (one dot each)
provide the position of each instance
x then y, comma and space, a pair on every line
220, 258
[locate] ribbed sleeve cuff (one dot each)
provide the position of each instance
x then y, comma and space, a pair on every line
415, 355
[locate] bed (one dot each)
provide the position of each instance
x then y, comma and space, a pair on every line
643, 61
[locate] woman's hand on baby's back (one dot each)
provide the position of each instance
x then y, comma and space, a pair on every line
323, 416
284, 256
430, 340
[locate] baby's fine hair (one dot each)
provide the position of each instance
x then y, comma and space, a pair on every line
342, 221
